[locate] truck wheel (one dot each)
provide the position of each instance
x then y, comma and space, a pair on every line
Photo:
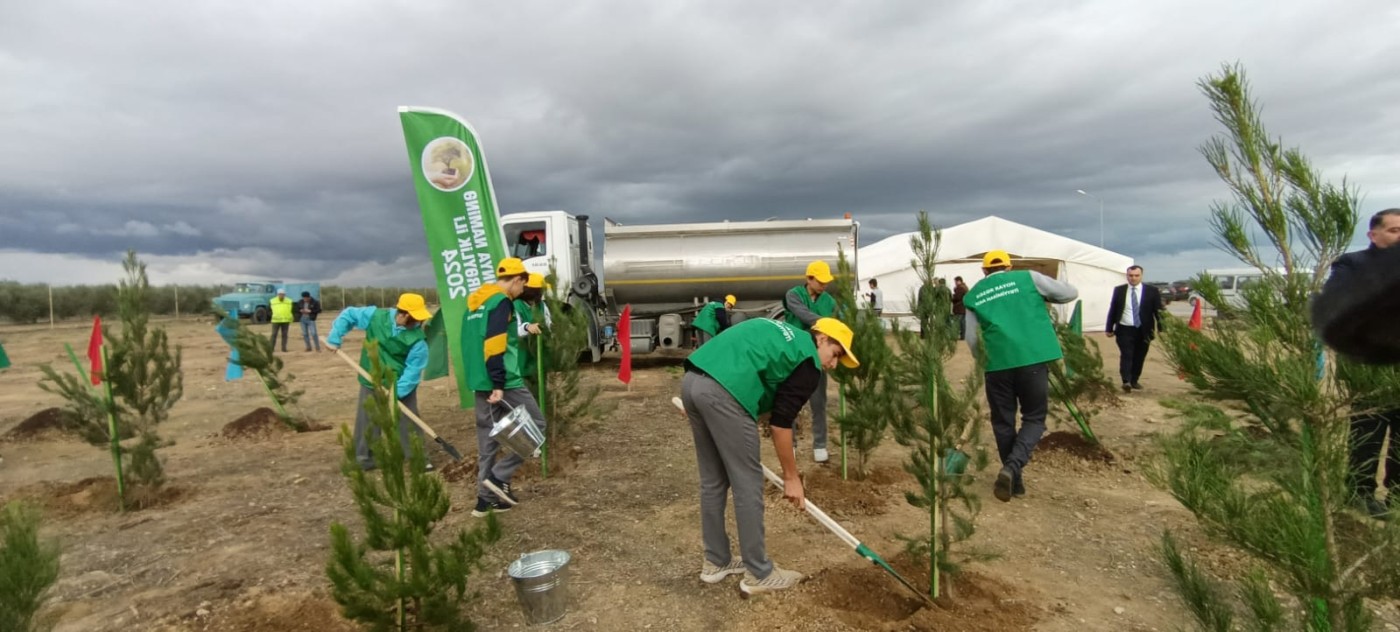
260, 315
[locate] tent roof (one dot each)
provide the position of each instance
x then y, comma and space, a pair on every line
969, 241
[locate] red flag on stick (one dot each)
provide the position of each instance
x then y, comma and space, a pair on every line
624, 340
95, 350
1195, 322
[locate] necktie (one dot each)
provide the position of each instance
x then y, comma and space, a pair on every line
1136, 321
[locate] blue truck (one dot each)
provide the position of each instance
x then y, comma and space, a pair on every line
252, 299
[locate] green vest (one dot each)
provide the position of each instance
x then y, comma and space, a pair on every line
824, 306
393, 350
1016, 327
474, 347
752, 358
529, 364
705, 320
281, 310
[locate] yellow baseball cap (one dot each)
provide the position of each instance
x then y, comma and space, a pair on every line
535, 281
838, 331
820, 271
996, 259
415, 306
730, 300
510, 266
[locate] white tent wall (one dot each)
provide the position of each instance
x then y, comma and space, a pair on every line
1093, 270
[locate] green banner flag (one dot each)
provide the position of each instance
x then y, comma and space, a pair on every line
4, 359
1076, 319
436, 333
460, 216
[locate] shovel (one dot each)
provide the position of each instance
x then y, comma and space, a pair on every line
422, 425
832, 526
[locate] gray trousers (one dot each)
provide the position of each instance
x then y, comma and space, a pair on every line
818, 402
362, 424
726, 450
491, 460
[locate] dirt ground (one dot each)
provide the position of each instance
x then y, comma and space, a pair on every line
239, 540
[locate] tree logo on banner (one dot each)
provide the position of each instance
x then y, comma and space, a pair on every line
447, 163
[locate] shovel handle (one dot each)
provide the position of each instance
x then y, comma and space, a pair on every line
422, 425
816, 512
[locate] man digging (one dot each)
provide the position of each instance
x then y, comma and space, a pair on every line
805, 304
753, 368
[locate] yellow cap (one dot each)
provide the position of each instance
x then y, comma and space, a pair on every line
510, 266
535, 281
730, 300
996, 259
838, 331
820, 271
415, 306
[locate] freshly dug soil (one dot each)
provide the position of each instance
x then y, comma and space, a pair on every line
1075, 445
98, 495
260, 423
45, 423
870, 497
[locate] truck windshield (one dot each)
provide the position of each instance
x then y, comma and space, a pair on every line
526, 240
248, 288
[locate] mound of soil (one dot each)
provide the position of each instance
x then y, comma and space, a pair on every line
260, 423
458, 471
866, 597
99, 495
47, 422
1075, 445
868, 497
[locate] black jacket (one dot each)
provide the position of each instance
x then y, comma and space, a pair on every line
1149, 303
1355, 313
315, 309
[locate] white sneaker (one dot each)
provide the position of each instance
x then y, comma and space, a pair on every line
779, 579
820, 455
711, 574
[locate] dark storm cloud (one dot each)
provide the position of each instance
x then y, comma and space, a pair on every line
264, 137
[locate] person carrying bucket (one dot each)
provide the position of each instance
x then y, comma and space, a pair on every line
1006, 313
713, 318
402, 347
491, 358
805, 304
754, 368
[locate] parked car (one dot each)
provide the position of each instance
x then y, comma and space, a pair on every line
1165, 289
1181, 290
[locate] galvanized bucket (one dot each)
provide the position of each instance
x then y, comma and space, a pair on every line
541, 584
519, 433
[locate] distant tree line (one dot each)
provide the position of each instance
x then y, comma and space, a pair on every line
28, 303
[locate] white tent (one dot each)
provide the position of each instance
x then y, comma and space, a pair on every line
1093, 270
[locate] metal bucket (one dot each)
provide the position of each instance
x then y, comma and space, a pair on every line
541, 585
519, 433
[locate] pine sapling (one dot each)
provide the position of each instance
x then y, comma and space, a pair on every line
869, 394
937, 425
28, 567
396, 578
565, 341
255, 352
1079, 382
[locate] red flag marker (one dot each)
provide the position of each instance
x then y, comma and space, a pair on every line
94, 351
624, 340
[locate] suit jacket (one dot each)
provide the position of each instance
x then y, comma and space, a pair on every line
1355, 314
1149, 303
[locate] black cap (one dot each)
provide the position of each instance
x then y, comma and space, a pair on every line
306, 295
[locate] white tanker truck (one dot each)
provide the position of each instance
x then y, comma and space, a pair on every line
667, 272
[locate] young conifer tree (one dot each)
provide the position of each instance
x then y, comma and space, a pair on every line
1078, 384
565, 341
1289, 512
255, 352
870, 395
940, 420
28, 567
396, 578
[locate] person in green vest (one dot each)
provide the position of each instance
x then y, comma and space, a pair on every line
713, 318
757, 367
402, 348
527, 328
281, 317
1007, 317
805, 304
491, 357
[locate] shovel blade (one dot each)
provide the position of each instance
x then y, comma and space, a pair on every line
449, 449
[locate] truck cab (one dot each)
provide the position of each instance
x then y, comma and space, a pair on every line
252, 299
542, 239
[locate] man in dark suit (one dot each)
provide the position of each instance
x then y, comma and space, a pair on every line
1133, 322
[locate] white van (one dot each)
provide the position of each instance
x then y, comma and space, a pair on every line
1230, 281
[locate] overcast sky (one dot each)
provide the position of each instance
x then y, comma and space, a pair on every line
228, 140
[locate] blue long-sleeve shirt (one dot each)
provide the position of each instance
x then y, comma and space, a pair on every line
352, 318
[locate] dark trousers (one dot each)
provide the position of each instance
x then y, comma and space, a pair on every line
1029, 388
284, 328
1367, 437
1132, 351
366, 432
962, 325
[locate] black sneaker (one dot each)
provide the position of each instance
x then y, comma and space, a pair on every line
502, 491
1136, 386
1127, 388
1018, 487
1002, 488
484, 507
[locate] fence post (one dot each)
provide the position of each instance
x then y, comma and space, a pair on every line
177, 302
50, 304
